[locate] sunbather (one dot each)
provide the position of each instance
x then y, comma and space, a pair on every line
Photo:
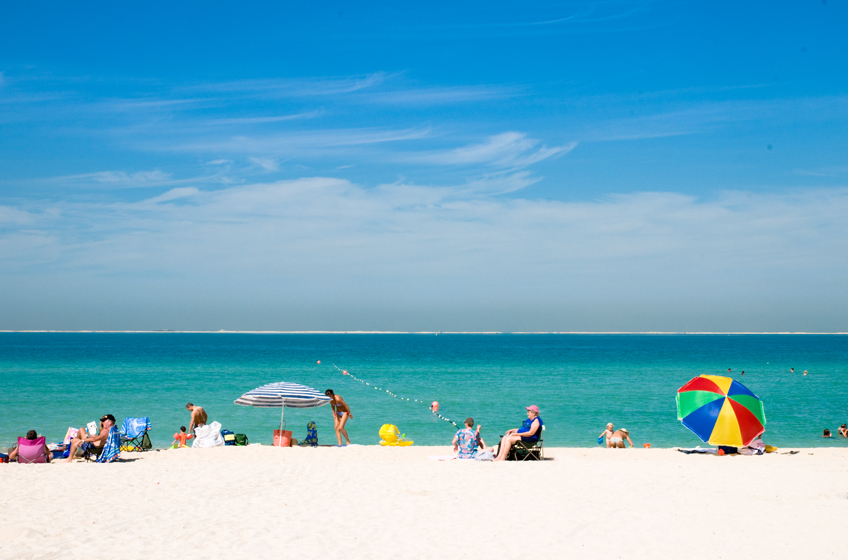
91, 443
31, 435
529, 432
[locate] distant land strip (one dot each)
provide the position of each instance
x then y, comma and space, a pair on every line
166, 331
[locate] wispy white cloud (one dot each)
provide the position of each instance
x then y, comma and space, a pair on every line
439, 95
279, 88
267, 164
262, 120
173, 194
295, 142
509, 149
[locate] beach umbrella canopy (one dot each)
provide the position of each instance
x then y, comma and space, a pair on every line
720, 411
283, 395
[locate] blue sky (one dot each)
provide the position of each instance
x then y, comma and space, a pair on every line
574, 166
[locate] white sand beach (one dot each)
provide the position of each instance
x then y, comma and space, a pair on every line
373, 502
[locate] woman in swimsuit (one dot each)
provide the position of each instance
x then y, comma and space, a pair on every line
341, 413
617, 439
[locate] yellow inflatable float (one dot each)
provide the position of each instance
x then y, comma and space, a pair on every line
391, 436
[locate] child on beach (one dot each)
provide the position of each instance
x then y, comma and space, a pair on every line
181, 437
606, 434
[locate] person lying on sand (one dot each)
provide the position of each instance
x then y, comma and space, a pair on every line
617, 439
31, 435
90, 443
198, 417
530, 431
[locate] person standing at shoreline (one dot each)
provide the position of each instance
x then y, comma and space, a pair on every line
198, 417
606, 434
341, 413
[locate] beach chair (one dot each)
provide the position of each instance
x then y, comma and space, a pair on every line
528, 450
110, 451
134, 434
31, 450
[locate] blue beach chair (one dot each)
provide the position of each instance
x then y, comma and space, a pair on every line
134, 434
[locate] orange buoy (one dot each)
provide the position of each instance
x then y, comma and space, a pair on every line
435, 406
319, 361
344, 372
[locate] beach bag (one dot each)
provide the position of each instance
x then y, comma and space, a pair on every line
208, 436
241, 439
229, 437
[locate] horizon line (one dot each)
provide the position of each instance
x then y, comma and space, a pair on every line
222, 331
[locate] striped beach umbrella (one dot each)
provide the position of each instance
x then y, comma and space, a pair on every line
720, 411
283, 395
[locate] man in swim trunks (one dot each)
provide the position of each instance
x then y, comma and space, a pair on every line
198, 417
90, 443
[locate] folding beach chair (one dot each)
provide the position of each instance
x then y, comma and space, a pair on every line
528, 450
110, 451
31, 450
134, 434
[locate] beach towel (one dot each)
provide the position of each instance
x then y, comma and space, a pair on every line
484, 455
208, 436
311, 439
112, 447
699, 450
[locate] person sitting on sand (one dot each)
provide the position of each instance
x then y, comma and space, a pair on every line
529, 432
466, 441
91, 443
617, 439
843, 430
198, 417
826, 433
606, 434
181, 437
341, 413
31, 435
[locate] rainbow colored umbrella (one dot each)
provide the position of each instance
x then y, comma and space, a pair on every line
720, 411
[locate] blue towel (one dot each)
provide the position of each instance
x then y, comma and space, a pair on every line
112, 447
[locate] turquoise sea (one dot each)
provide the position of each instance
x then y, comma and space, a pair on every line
51, 381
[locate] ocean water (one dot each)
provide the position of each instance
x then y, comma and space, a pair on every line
50, 381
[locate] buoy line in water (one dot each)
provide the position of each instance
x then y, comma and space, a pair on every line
434, 407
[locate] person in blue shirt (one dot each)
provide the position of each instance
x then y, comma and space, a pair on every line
530, 431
